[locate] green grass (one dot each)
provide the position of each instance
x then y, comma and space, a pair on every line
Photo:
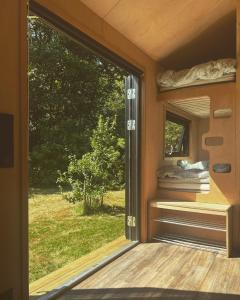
59, 234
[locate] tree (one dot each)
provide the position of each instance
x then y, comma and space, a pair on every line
173, 135
70, 87
98, 170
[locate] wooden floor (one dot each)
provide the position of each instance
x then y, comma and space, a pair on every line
163, 271
58, 278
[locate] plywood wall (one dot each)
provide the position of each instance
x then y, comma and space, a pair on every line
13, 97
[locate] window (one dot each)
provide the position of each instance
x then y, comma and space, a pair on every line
176, 135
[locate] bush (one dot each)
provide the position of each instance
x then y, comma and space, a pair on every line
98, 171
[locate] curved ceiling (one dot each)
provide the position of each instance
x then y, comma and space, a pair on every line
177, 33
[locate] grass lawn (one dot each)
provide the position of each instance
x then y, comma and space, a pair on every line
58, 234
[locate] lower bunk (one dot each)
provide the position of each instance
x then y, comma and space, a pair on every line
185, 176
193, 224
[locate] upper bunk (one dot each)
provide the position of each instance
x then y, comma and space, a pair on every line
215, 71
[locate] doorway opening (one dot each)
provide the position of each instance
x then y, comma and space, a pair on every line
84, 157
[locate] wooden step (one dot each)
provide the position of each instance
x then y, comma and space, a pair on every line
197, 207
191, 242
196, 223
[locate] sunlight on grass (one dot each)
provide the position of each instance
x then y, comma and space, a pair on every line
59, 234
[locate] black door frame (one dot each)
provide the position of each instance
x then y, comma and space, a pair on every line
132, 105
133, 81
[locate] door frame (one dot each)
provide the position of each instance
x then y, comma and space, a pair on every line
133, 113
134, 149
133, 138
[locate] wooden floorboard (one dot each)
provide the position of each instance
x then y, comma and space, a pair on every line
57, 278
163, 271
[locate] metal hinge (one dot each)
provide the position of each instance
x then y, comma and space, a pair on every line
131, 94
131, 125
131, 221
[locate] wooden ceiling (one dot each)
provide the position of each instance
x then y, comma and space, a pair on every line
178, 33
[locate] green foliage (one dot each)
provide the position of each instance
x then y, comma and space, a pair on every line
97, 171
69, 87
173, 134
108, 151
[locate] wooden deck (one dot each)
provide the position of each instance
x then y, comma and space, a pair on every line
57, 278
163, 271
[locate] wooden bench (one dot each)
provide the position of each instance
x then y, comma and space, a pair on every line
194, 224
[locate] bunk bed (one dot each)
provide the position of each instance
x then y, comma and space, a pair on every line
221, 70
193, 205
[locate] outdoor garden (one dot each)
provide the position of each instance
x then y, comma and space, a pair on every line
76, 150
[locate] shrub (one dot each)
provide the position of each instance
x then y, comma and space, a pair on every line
98, 171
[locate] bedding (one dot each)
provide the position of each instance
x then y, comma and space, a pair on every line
200, 165
214, 71
181, 173
185, 176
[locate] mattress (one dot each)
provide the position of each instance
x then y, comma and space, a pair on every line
222, 70
186, 186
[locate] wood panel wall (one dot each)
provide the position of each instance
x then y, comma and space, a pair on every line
13, 197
